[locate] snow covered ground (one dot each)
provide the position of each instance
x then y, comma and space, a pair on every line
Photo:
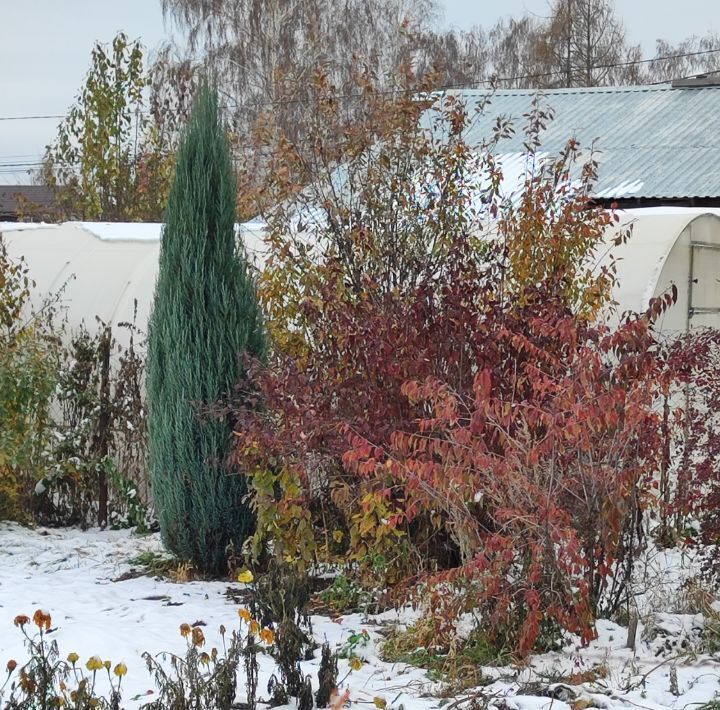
72, 574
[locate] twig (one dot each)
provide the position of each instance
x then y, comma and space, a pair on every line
643, 677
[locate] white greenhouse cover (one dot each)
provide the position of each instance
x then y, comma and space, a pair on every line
658, 256
101, 269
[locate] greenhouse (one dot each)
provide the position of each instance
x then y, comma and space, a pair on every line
101, 270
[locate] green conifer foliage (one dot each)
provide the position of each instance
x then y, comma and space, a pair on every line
205, 317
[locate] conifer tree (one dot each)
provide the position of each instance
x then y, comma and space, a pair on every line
205, 317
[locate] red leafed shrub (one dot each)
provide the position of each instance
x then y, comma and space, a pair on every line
539, 470
690, 480
530, 459
441, 397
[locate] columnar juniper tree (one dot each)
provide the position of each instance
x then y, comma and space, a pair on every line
205, 317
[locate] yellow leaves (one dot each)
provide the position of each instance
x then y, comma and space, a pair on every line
556, 253
283, 519
245, 577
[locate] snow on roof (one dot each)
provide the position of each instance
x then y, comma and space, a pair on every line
123, 231
23, 226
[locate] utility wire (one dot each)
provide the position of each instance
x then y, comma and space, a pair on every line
29, 118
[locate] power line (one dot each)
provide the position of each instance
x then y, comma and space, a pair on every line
30, 118
493, 81
470, 84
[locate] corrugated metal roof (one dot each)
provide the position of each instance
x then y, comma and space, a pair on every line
652, 141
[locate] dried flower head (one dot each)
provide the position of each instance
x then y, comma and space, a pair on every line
185, 630
21, 620
73, 657
198, 638
204, 658
267, 636
11, 665
246, 576
254, 627
94, 663
42, 620
245, 615
120, 670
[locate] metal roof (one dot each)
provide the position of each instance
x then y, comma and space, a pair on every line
651, 141
14, 197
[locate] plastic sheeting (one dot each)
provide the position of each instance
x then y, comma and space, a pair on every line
99, 270
103, 269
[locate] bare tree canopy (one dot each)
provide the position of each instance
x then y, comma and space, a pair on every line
584, 42
265, 51
694, 55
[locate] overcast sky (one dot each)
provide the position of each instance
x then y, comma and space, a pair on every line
45, 49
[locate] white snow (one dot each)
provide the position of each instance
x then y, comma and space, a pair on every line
71, 574
251, 232
23, 226
123, 231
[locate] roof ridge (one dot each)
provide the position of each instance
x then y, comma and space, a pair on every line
635, 88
